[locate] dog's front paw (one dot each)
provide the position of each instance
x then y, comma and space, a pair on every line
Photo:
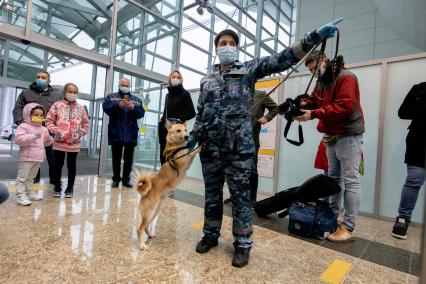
142, 246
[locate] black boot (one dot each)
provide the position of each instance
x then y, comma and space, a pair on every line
57, 191
127, 183
69, 192
206, 244
241, 257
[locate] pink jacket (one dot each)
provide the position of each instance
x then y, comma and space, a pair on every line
68, 122
31, 147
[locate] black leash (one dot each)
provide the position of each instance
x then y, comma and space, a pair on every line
172, 160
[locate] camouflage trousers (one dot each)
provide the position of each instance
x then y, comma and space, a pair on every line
235, 168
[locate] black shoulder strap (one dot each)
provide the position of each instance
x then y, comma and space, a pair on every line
287, 128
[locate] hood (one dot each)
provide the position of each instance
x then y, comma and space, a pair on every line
27, 111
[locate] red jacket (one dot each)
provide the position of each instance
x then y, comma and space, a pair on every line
337, 106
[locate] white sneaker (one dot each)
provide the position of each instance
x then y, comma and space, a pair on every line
34, 197
23, 200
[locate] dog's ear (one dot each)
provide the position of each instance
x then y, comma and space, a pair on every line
168, 124
185, 123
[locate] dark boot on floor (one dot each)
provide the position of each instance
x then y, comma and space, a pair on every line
57, 191
127, 184
400, 228
115, 184
69, 192
206, 244
241, 257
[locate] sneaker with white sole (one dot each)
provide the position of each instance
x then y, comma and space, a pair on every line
400, 227
34, 197
341, 235
23, 200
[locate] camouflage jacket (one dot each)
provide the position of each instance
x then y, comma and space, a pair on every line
223, 116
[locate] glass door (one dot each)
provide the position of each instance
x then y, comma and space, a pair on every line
8, 97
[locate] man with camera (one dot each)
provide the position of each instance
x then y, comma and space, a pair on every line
335, 102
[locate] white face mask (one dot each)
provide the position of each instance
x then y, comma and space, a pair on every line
71, 97
227, 54
174, 82
124, 90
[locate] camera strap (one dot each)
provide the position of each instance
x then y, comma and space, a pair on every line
287, 128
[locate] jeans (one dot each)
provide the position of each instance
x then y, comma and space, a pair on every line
71, 165
26, 174
344, 157
4, 193
117, 153
410, 191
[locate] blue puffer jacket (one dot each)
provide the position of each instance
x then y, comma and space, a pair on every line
123, 125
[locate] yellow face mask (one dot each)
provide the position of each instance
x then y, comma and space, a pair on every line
37, 119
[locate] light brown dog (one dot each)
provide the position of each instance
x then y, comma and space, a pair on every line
153, 188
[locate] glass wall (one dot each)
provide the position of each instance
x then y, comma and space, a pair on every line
24, 61
14, 13
144, 38
86, 24
201, 23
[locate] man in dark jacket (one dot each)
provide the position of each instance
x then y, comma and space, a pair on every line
40, 92
413, 108
335, 102
260, 102
124, 110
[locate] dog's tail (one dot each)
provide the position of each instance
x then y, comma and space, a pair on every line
144, 183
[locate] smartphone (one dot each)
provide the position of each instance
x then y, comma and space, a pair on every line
126, 97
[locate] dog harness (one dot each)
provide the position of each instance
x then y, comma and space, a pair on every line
172, 160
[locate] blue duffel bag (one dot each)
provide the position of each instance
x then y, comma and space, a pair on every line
313, 220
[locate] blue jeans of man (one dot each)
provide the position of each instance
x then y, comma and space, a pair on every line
410, 191
344, 158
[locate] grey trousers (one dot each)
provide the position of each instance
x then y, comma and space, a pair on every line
27, 171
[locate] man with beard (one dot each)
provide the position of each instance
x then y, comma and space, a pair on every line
335, 102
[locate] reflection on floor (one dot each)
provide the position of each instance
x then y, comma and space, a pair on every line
92, 237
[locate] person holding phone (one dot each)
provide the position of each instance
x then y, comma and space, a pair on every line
124, 110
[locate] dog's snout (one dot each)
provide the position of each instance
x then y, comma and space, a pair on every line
186, 137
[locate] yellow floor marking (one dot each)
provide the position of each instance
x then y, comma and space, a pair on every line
12, 189
198, 225
133, 199
336, 271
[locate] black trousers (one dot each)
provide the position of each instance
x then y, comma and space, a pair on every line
49, 158
117, 153
254, 177
162, 134
71, 165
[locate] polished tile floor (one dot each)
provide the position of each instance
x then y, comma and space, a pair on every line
92, 238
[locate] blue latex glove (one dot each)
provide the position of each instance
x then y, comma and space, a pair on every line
328, 30
192, 140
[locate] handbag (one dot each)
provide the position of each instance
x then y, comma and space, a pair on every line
313, 220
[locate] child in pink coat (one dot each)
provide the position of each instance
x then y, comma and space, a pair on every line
68, 122
32, 137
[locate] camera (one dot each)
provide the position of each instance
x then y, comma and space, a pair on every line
291, 107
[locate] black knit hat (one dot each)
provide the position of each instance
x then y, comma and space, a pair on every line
226, 32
